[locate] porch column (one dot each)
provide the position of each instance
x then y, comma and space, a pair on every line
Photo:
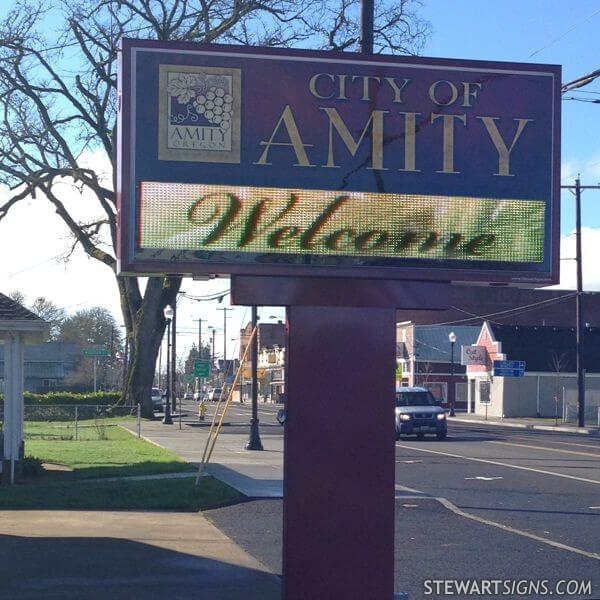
13, 397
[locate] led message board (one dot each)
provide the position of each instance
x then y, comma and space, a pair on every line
237, 160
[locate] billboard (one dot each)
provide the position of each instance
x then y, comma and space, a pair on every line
236, 160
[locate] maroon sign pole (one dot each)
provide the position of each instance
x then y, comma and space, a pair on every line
339, 458
338, 533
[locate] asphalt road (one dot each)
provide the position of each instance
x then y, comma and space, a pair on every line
489, 502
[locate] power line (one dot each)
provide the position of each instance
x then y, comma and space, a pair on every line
562, 35
517, 310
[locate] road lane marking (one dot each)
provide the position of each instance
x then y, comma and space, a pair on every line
501, 464
451, 506
546, 449
594, 446
403, 488
482, 478
409, 462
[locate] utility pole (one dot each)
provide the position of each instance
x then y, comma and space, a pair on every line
254, 442
159, 363
580, 328
367, 17
224, 309
199, 337
174, 359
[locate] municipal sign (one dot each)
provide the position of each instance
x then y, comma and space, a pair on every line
95, 352
509, 368
465, 155
201, 368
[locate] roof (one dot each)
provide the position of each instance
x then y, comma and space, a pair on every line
13, 311
471, 305
549, 349
432, 343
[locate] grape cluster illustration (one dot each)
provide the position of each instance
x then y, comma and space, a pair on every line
207, 96
216, 106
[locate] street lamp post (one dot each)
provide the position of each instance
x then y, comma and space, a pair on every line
254, 441
452, 338
167, 420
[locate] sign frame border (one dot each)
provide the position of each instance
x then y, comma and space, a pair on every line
125, 190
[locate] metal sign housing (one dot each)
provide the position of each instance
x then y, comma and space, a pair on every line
239, 160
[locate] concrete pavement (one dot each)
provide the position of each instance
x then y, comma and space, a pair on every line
254, 474
124, 555
540, 424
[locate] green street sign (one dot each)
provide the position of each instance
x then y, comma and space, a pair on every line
201, 368
95, 352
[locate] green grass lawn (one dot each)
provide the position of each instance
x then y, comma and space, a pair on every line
101, 450
158, 494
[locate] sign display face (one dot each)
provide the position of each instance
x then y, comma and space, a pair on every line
237, 160
509, 368
201, 368
473, 355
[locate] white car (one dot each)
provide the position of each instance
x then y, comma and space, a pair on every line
215, 394
418, 413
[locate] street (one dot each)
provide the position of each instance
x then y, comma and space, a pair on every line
489, 502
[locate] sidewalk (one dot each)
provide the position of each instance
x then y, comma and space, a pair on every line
541, 423
254, 474
121, 555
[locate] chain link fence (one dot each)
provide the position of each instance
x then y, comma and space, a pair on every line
73, 422
570, 406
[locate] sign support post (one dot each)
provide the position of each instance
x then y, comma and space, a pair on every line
339, 452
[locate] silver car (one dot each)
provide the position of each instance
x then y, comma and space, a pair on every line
419, 413
157, 399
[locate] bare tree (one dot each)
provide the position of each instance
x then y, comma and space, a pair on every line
559, 363
58, 110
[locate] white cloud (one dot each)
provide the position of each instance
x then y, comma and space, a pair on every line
33, 239
590, 242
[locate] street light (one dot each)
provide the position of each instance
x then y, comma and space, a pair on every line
452, 338
254, 441
168, 312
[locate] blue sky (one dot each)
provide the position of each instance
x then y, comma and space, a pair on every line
544, 31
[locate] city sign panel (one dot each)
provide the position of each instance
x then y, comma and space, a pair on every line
509, 368
95, 351
237, 160
201, 368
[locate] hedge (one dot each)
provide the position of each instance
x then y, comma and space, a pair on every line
98, 398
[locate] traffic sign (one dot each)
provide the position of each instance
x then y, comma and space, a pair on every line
201, 368
509, 368
95, 352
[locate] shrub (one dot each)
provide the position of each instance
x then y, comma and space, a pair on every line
31, 467
98, 398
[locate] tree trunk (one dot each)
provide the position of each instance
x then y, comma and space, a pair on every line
145, 325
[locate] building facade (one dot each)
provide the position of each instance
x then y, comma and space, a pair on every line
427, 358
549, 386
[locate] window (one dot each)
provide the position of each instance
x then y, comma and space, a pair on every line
484, 392
438, 389
49, 383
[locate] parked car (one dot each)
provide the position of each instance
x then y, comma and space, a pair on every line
419, 413
157, 399
214, 394
188, 395
199, 396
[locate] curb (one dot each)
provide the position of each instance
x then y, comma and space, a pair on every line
576, 430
